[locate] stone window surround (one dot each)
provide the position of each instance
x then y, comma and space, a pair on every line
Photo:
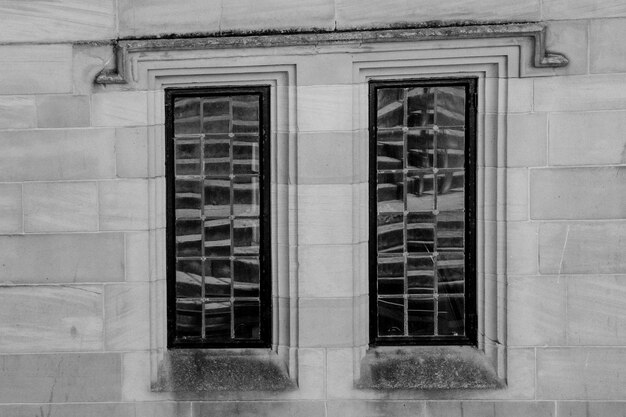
492, 55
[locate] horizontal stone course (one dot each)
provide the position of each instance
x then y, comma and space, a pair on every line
526, 140
118, 109
18, 112
57, 154
11, 217
56, 378
582, 9
580, 93
127, 318
34, 69
50, 318
62, 258
325, 322
259, 409
606, 50
123, 205
75, 410
578, 193
62, 111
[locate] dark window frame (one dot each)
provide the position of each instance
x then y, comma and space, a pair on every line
265, 279
470, 337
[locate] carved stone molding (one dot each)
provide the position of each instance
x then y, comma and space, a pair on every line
535, 31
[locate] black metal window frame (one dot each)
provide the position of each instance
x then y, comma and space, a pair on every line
265, 281
470, 337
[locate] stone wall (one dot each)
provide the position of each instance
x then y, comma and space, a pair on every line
75, 214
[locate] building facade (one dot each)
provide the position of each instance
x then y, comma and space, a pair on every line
324, 208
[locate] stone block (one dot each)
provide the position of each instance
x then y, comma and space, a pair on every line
17, 112
11, 216
522, 244
369, 13
590, 409
582, 9
580, 93
570, 39
595, 310
162, 409
325, 158
606, 49
123, 205
536, 309
578, 193
60, 206
127, 316
62, 111
517, 194
259, 409
88, 61
381, 408
527, 135
65, 20
131, 152
325, 214
51, 318
326, 270
154, 17
34, 69
582, 248
137, 256
525, 409
325, 322
48, 258
57, 154
72, 410
311, 374
323, 108
520, 97
581, 373
119, 109
589, 138
251, 15
55, 378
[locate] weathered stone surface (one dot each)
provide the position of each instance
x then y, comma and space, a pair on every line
311, 373
380, 408
606, 51
526, 140
325, 158
88, 61
62, 111
582, 248
426, 368
11, 216
75, 410
131, 152
137, 256
17, 112
520, 97
351, 13
332, 276
201, 371
118, 109
57, 154
127, 316
570, 39
582, 9
325, 322
521, 248
536, 309
581, 373
67, 377
51, 318
323, 108
325, 214
578, 193
260, 409
60, 206
51, 258
595, 310
65, 20
247, 15
517, 194
590, 409
162, 409
579, 93
37, 69
589, 138
123, 205
152, 17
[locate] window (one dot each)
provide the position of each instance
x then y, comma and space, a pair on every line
217, 156
422, 212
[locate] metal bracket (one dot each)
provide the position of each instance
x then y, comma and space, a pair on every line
535, 31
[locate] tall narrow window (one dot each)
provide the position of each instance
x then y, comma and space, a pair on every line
217, 155
422, 212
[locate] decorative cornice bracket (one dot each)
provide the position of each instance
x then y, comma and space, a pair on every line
537, 32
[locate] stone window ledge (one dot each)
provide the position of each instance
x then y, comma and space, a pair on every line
204, 370
427, 368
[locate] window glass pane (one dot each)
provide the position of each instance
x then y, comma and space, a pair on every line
218, 232
420, 147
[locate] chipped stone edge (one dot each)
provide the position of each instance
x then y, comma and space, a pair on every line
536, 31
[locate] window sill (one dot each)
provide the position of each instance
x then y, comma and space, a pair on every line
221, 370
427, 368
